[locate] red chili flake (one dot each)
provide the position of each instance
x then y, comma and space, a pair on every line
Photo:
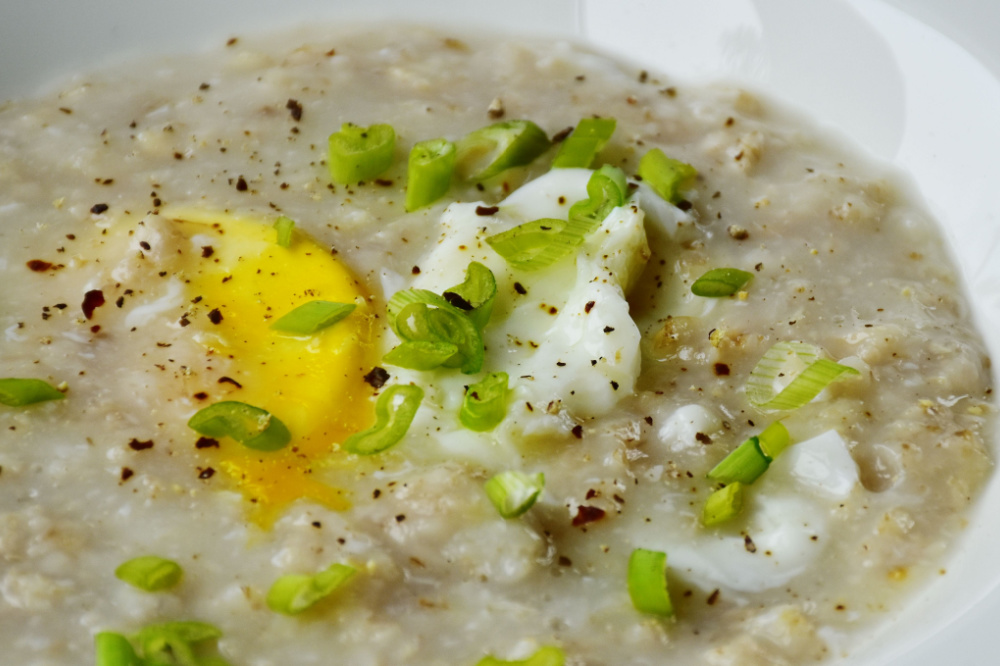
207, 251
591, 494
206, 443
295, 108
136, 445
38, 265
126, 474
205, 474
377, 377
92, 300
519, 288
721, 369
587, 514
415, 270
215, 316
577, 431
241, 184
486, 211
561, 135
200, 395
232, 41
331, 53
230, 380
589, 306
95, 329
97, 209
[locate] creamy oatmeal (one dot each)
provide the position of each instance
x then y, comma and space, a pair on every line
137, 212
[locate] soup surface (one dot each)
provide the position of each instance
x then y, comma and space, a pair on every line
143, 274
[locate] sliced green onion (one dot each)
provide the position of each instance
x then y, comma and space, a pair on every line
495, 148
547, 656
150, 573
513, 492
581, 147
607, 189
722, 505
750, 459
419, 315
806, 385
429, 172
392, 419
294, 593
283, 227
173, 642
360, 153
20, 392
113, 649
720, 282
251, 426
647, 582
666, 175
420, 355
476, 295
485, 403
312, 317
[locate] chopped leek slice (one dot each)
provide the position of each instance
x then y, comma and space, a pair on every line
581, 147
150, 573
113, 649
360, 153
806, 385
547, 656
722, 505
749, 460
392, 419
476, 294
495, 148
647, 582
485, 403
429, 172
20, 392
251, 426
312, 317
720, 282
666, 175
513, 492
283, 227
174, 642
293, 593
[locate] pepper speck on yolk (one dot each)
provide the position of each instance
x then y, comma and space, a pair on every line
314, 384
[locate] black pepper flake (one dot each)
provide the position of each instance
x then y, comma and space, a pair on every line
296, 109
201, 395
97, 209
703, 438
721, 369
565, 561
127, 474
457, 301
205, 474
207, 251
749, 544
614, 385
519, 288
120, 302
589, 306
684, 205
230, 380
400, 518
206, 443
415, 270
561, 135
241, 184
608, 329
377, 377
648, 420
215, 316
144, 245
95, 329
383, 182
486, 211
92, 300
587, 514
204, 86
38, 265
712, 598
136, 445
577, 431
376, 493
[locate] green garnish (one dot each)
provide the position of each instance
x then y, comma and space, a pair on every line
20, 392
513, 493
495, 148
113, 649
722, 505
476, 294
485, 403
666, 175
174, 643
429, 172
360, 153
392, 419
294, 593
312, 317
750, 459
547, 656
251, 426
806, 385
283, 227
581, 147
647, 582
720, 282
150, 573
541, 243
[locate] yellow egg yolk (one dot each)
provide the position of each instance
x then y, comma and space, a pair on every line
243, 282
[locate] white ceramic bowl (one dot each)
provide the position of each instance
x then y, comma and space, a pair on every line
913, 81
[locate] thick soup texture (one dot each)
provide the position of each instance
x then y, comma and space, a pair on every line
500, 446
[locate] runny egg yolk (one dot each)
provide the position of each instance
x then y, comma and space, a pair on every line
315, 384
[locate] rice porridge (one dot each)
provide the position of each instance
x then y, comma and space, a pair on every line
758, 290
